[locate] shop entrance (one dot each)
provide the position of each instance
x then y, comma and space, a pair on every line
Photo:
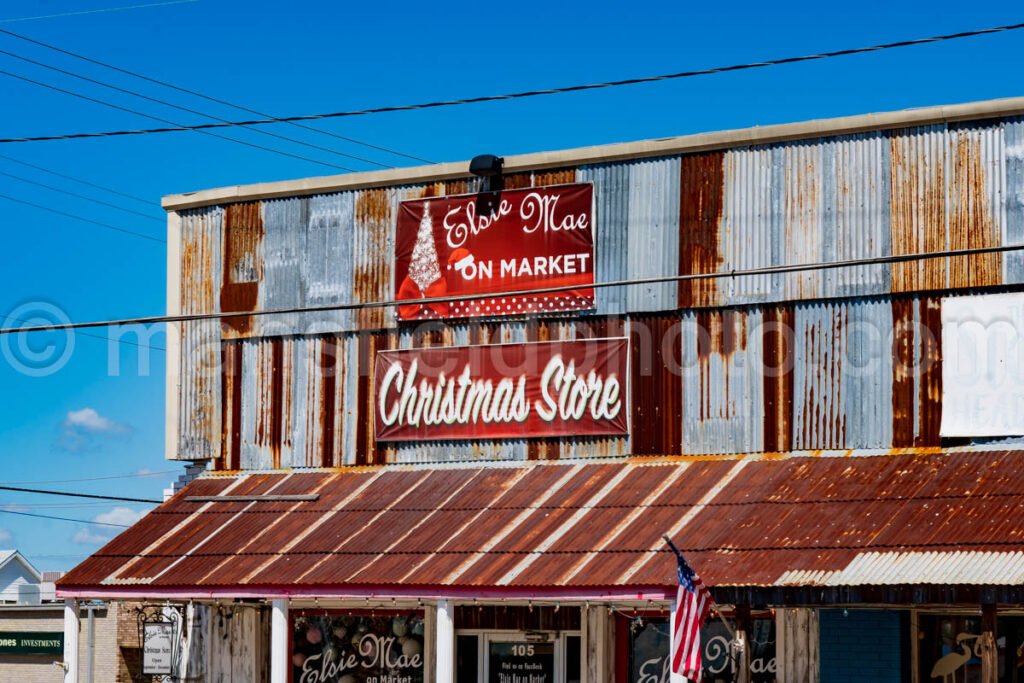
518, 657
518, 644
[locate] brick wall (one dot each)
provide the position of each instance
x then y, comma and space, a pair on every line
864, 645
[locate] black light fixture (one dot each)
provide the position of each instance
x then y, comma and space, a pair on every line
486, 165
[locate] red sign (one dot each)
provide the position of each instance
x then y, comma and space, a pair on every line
502, 391
496, 242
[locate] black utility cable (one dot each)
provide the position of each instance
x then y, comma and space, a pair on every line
101, 224
87, 198
198, 129
764, 270
532, 93
188, 110
65, 176
70, 494
209, 98
63, 519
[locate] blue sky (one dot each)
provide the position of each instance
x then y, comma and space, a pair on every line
85, 421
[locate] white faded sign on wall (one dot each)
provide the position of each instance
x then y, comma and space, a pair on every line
983, 365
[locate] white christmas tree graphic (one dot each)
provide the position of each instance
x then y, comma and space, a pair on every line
425, 269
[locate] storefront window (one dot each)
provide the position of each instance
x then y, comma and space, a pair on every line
648, 652
357, 647
950, 648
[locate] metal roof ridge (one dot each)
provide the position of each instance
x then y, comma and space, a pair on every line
698, 142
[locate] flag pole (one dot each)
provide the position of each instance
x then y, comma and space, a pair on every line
728, 627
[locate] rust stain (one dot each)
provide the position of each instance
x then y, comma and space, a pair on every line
931, 375
657, 384
243, 264
364, 428
903, 373
971, 222
231, 408
372, 272
278, 405
561, 176
778, 378
917, 210
517, 181
329, 377
702, 178
464, 186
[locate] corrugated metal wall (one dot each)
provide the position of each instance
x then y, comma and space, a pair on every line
293, 388
857, 373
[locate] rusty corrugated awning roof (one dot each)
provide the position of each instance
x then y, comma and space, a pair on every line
939, 518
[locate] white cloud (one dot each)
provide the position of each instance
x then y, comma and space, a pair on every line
89, 537
91, 421
120, 515
81, 429
99, 534
15, 507
6, 536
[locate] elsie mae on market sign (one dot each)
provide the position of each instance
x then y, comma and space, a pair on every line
496, 243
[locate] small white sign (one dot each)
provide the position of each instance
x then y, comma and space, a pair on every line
157, 641
983, 365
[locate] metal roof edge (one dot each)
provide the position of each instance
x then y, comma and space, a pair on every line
639, 460
698, 142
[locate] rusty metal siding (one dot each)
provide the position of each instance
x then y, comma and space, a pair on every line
611, 218
948, 192
1013, 262
749, 227
723, 377
842, 380
327, 262
199, 402
653, 234
839, 374
284, 277
856, 226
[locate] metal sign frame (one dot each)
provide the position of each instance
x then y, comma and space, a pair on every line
170, 615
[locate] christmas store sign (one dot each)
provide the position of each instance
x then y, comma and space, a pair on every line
496, 242
573, 388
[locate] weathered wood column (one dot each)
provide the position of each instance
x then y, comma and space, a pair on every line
987, 645
743, 628
796, 645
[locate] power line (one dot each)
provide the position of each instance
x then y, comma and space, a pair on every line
392, 303
531, 93
48, 506
93, 496
63, 519
101, 224
178, 126
97, 11
209, 98
76, 481
179, 107
119, 340
80, 196
72, 178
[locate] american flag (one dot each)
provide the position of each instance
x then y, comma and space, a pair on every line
693, 603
